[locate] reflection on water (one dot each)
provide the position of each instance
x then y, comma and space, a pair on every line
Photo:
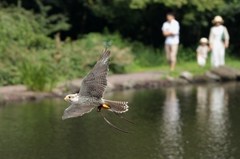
201, 109
170, 131
212, 119
194, 122
171, 108
218, 122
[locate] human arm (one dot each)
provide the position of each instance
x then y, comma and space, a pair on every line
210, 39
165, 29
226, 42
197, 55
209, 49
170, 29
198, 51
167, 33
174, 29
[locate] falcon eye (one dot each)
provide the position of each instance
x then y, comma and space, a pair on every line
69, 97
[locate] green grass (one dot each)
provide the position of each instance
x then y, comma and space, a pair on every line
233, 62
42, 62
36, 77
28, 56
190, 66
40, 68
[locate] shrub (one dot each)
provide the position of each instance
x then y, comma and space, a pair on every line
36, 76
186, 54
81, 55
29, 29
24, 36
147, 56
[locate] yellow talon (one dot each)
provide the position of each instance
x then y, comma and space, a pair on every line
105, 106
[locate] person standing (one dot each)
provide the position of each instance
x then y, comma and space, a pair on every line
170, 30
218, 41
202, 51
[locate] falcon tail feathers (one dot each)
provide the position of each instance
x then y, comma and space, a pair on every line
117, 106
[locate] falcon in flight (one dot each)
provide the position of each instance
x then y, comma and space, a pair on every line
91, 94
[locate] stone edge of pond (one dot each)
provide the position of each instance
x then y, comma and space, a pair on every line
219, 74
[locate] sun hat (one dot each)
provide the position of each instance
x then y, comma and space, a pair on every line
203, 40
218, 18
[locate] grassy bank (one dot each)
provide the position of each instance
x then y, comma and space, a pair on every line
29, 56
41, 69
189, 64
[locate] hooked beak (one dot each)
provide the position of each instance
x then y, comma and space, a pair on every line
66, 99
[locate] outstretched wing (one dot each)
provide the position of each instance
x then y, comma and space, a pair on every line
95, 83
76, 110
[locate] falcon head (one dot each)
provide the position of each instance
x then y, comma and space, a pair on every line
72, 98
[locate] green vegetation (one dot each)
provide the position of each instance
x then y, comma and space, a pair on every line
67, 60
36, 76
186, 62
41, 69
139, 20
142, 19
29, 56
25, 46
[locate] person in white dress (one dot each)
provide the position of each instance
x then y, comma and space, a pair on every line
202, 51
170, 30
218, 41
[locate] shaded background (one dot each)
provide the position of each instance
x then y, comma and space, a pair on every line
48, 41
142, 19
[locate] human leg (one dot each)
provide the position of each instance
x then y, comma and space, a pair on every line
222, 57
168, 52
212, 58
215, 57
174, 49
201, 61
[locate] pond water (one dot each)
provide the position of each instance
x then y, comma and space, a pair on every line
190, 122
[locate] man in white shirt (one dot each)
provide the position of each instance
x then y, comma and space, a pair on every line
170, 30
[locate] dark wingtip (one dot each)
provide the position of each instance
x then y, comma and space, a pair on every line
106, 51
105, 54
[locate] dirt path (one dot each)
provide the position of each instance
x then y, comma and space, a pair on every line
140, 80
130, 77
20, 92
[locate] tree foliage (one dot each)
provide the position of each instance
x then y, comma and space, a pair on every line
142, 19
50, 23
27, 28
200, 5
30, 57
139, 19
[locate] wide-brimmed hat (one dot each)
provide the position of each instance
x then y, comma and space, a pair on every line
218, 18
203, 40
